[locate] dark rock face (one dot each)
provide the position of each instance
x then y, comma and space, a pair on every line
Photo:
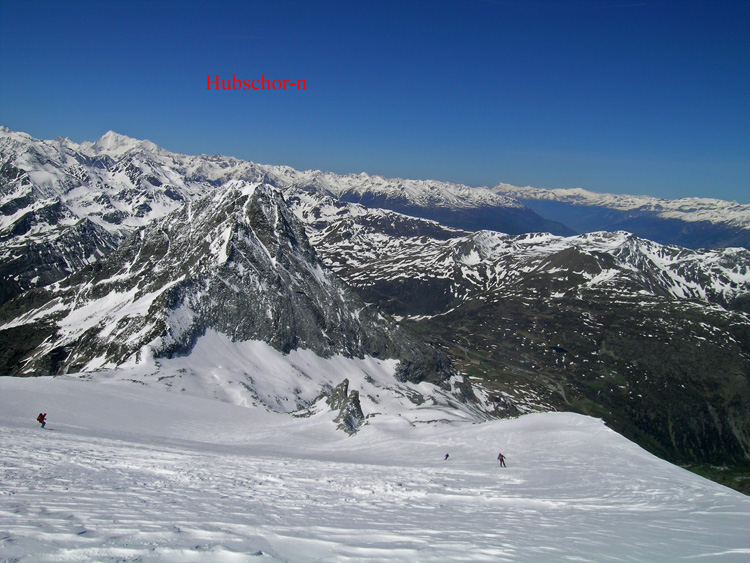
236, 261
44, 260
350, 416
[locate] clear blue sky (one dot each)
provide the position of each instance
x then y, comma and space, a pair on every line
625, 96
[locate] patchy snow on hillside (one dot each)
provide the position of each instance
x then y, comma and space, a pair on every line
134, 473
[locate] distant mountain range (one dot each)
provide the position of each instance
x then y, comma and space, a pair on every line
690, 222
64, 205
118, 253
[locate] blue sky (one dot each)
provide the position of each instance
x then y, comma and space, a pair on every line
624, 96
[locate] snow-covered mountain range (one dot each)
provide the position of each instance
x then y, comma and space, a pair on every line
353, 241
692, 222
63, 204
121, 260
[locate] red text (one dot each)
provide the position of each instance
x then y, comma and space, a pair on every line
215, 82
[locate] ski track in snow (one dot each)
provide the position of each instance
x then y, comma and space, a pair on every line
190, 479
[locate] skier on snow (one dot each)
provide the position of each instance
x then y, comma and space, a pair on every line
42, 418
446, 457
501, 459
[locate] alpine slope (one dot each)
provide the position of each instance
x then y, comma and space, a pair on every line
134, 473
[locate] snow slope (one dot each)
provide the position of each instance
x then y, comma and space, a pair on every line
132, 472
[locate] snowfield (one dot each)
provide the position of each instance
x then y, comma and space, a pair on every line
136, 473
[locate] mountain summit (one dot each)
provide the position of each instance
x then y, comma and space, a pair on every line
235, 262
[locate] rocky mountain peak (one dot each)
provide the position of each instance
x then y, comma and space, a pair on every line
236, 261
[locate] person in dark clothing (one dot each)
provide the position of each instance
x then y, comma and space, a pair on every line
501, 460
446, 457
42, 418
